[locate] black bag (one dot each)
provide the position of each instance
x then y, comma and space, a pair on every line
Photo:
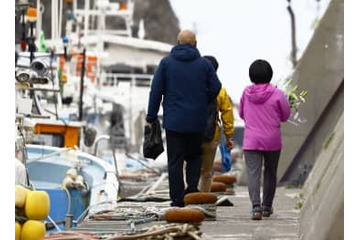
153, 144
210, 121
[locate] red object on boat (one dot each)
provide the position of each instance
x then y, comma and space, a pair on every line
23, 45
123, 6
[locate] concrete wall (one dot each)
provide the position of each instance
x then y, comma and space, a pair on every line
322, 213
321, 73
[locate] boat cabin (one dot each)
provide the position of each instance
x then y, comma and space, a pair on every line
57, 133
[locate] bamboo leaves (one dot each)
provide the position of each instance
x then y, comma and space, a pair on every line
296, 97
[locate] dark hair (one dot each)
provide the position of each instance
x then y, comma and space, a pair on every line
213, 61
260, 71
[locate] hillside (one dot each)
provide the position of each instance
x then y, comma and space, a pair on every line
161, 23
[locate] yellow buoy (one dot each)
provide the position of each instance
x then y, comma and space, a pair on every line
37, 205
17, 231
20, 195
32, 230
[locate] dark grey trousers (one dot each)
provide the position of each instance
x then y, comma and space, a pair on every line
254, 159
183, 147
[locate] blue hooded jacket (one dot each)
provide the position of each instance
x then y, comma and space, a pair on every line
187, 82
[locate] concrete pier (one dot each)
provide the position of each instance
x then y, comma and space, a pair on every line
234, 222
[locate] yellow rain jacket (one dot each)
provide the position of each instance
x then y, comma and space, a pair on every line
224, 106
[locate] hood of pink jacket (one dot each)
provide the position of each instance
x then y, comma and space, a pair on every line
259, 93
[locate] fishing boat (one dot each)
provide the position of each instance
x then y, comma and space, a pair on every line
77, 183
104, 73
51, 103
119, 69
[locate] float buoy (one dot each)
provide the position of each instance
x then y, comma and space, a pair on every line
184, 215
227, 179
200, 198
218, 187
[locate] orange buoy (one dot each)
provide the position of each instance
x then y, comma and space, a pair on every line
218, 187
184, 215
200, 198
227, 179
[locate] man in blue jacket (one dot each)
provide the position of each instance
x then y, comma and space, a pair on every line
185, 82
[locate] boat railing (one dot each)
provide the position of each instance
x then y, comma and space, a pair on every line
113, 79
109, 31
102, 9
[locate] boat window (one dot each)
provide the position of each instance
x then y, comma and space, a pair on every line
55, 140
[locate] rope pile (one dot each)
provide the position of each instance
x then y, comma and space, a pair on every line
71, 235
156, 232
150, 213
165, 232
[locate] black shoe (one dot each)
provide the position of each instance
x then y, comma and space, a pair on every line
174, 204
190, 191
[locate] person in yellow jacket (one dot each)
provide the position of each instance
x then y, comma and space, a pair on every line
212, 133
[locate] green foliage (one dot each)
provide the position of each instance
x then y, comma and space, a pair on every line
294, 94
328, 140
296, 97
299, 204
318, 185
301, 201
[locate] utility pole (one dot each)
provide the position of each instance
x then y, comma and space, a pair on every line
293, 35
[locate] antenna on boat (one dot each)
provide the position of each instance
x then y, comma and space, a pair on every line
21, 8
31, 15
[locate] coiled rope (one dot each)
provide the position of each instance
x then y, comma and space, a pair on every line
169, 231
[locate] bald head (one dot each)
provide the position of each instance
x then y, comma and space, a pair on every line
187, 36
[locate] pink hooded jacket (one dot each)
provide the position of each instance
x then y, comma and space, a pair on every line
263, 107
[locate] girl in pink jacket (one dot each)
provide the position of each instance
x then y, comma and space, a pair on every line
263, 107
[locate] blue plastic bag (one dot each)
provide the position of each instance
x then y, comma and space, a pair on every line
225, 158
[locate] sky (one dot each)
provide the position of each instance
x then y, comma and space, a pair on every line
237, 32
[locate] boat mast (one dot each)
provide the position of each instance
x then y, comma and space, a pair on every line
38, 23
82, 85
